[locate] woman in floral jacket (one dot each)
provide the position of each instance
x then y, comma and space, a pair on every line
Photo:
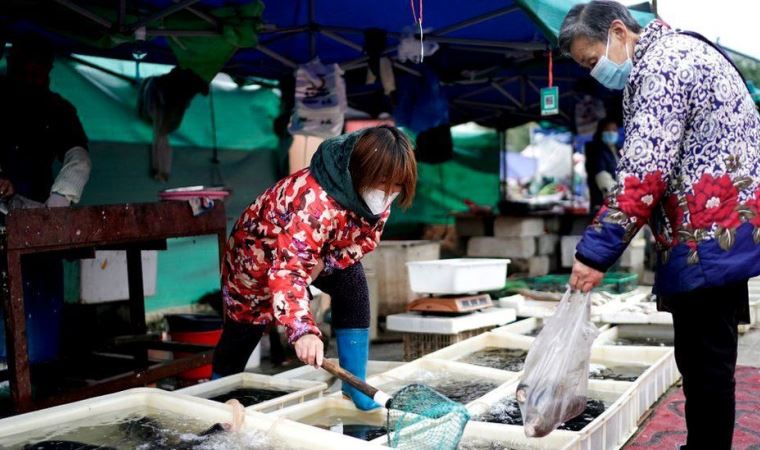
314, 227
689, 167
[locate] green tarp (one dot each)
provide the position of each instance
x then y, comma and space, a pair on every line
549, 14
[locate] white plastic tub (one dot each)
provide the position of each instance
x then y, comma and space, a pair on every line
609, 431
325, 411
18, 430
457, 276
414, 322
334, 384
299, 391
486, 340
511, 437
530, 327
430, 371
654, 332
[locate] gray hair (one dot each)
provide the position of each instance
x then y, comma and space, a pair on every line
593, 20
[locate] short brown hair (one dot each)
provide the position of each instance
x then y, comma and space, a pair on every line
384, 155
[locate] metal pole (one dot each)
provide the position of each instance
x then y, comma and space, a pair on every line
86, 13
276, 56
475, 20
161, 14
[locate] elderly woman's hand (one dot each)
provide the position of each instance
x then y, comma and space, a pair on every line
584, 278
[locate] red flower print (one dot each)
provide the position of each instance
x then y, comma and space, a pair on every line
639, 197
754, 205
714, 201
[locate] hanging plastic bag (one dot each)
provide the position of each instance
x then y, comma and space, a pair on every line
554, 384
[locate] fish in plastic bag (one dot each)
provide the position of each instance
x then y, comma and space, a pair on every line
554, 383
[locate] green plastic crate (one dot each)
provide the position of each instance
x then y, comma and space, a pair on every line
615, 282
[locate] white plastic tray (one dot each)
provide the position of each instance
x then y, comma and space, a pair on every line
16, 430
457, 276
333, 404
413, 322
399, 376
526, 326
299, 390
609, 431
610, 335
485, 340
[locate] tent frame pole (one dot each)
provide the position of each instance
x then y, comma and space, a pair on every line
85, 13
161, 14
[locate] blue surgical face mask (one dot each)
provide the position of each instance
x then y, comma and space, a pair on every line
610, 74
610, 137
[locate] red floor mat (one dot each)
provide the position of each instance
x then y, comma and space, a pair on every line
666, 428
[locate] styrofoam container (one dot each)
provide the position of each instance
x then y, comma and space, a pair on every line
413, 322
609, 431
299, 390
334, 384
406, 374
457, 276
17, 430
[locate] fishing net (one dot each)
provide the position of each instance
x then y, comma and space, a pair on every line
419, 418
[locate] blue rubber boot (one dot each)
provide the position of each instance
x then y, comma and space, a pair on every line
353, 352
215, 376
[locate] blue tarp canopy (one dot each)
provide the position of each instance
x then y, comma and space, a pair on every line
492, 59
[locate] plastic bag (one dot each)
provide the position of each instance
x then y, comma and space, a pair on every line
553, 387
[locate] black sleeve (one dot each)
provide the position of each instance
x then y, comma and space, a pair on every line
68, 131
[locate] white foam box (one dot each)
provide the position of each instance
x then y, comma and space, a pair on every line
333, 383
514, 227
457, 276
754, 313
496, 247
413, 322
401, 376
547, 244
104, 278
526, 307
299, 391
568, 244
609, 431
16, 431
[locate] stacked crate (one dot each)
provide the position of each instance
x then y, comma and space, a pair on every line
526, 241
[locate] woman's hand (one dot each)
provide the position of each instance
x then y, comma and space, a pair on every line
310, 350
584, 278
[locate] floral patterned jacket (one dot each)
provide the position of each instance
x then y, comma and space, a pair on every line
275, 246
689, 166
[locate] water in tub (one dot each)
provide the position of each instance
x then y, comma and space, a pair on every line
484, 444
509, 359
507, 411
644, 341
249, 396
457, 387
622, 372
348, 423
139, 431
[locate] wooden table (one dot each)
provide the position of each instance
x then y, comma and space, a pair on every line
130, 227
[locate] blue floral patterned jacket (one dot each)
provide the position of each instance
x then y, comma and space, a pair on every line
689, 167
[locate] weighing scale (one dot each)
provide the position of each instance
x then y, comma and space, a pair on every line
450, 304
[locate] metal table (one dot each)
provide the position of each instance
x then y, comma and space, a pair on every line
130, 227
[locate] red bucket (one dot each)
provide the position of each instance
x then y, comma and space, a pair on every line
194, 329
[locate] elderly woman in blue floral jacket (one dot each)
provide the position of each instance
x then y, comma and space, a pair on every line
689, 167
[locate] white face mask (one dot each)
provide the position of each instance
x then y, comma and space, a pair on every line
377, 200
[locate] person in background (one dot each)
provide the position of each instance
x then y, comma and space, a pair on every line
38, 128
689, 166
602, 155
314, 227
